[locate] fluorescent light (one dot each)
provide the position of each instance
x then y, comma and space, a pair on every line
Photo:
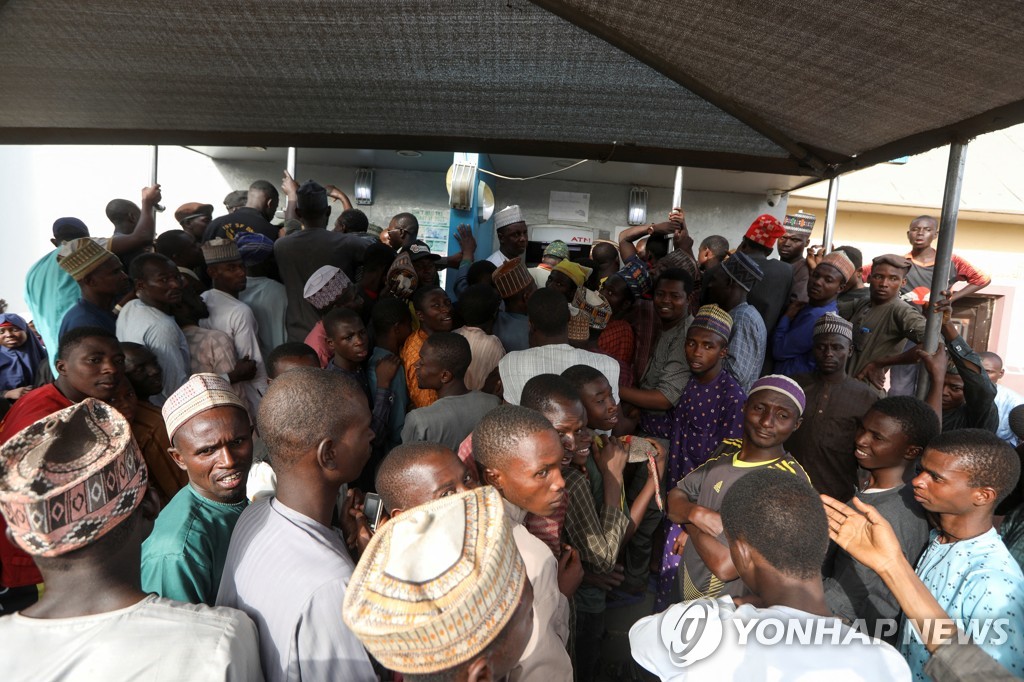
364, 187
410, 153
637, 206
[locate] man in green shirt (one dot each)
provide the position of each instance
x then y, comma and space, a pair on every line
211, 439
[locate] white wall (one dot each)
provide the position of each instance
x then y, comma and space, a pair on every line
39, 184
42, 183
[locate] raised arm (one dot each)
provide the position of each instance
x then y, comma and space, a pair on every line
145, 228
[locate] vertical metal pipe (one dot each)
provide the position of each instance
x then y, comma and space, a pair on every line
677, 190
943, 251
830, 213
291, 162
153, 176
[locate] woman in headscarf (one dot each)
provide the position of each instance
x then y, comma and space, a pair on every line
21, 355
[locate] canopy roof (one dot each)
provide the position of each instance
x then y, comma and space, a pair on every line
807, 88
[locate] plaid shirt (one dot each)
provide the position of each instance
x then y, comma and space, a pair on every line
619, 341
596, 535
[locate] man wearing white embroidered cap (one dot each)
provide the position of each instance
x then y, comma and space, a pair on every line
512, 235
211, 439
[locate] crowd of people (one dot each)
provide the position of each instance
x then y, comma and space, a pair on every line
247, 451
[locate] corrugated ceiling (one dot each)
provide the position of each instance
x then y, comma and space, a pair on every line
799, 88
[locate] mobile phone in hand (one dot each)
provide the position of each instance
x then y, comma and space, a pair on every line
372, 508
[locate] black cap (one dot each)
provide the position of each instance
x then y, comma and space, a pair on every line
312, 197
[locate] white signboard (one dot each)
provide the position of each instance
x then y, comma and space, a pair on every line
569, 207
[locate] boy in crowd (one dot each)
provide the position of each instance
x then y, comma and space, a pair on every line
347, 338
444, 360
666, 374
520, 454
777, 537
891, 438
835, 403
433, 309
966, 566
709, 412
326, 289
882, 323
772, 412
792, 346
211, 439
416, 473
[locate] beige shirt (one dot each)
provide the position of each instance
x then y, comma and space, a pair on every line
545, 658
487, 352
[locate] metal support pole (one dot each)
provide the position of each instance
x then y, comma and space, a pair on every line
291, 162
943, 252
830, 213
153, 176
677, 190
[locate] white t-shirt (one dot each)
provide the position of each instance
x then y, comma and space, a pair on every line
727, 642
155, 639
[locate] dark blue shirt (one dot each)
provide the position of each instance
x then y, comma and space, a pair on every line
86, 314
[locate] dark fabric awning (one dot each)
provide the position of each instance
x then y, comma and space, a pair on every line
808, 88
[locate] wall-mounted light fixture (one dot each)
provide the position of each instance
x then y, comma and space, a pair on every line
637, 206
364, 187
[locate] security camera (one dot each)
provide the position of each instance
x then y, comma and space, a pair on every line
774, 197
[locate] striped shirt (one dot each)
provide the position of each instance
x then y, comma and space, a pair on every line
707, 485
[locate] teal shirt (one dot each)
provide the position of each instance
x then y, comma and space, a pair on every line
183, 558
50, 293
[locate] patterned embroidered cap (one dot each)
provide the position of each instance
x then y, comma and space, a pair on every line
557, 249
579, 324
437, 584
743, 269
830, 323
509, 215
200, 393
781, 384
841, 262
70, 478
220, 251
637, 277
714, 319
574, 271
325, 285
765, 230
800, 222
254, 247
79, 257
511, 277
595, 305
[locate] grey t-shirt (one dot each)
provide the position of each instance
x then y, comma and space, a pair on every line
852, 590
448, 420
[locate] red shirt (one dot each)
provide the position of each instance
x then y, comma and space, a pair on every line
17, 569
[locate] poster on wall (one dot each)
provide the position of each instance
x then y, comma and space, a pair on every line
569, 207
434, 230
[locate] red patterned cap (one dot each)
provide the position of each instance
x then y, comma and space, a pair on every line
765, 230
